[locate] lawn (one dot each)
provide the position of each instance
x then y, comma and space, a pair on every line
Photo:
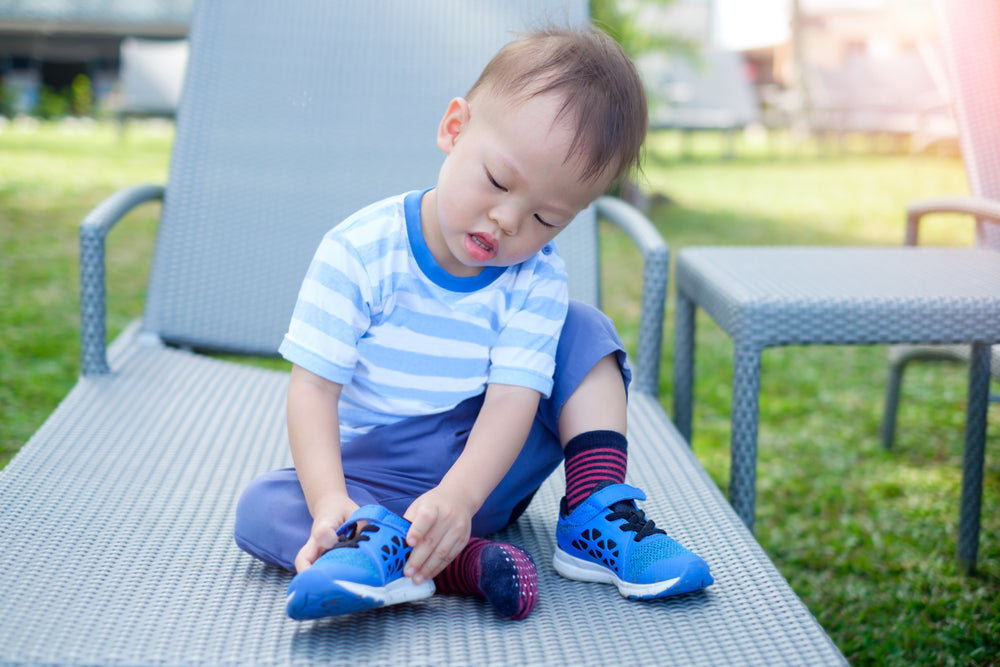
866, 537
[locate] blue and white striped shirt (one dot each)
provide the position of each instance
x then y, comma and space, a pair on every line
379, 316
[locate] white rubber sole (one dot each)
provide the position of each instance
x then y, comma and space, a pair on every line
578, 569
345, 597
401, 590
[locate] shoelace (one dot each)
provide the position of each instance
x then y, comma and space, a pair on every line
356, 537
635, 520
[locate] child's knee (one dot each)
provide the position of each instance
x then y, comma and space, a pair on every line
588, 335
583, 317
251, 505
272, 518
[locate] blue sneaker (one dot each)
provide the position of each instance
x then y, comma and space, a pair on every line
363, 571
606, 539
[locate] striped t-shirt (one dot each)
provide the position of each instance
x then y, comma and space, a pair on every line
379, 316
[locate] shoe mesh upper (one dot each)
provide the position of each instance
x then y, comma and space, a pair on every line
349, 558
652, 550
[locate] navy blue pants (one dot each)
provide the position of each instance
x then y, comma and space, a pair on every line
393, 465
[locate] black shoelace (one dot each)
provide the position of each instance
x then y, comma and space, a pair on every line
635, 520
356, 537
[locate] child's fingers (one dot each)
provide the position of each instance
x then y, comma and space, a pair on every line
426, 534
446, 551
307, 556
421, 537
421, 522
435, 541
430, 559
321, 540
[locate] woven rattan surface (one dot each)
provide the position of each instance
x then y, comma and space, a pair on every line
294, 116
116, 518
764, 297
970, 33
116, 524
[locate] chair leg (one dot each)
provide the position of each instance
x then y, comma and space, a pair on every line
887, 430
684, 333
974, 457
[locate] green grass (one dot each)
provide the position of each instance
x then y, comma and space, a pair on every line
49, 180
866, 537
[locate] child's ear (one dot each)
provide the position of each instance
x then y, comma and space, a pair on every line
454, 121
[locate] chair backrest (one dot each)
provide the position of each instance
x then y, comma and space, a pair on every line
970, 31
293, 116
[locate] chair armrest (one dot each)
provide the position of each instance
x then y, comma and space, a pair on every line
93, 230
656, 265
977, 206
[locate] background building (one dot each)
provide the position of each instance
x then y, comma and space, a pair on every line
46, 44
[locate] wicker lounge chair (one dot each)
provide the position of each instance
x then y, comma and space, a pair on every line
116, 517
971, 37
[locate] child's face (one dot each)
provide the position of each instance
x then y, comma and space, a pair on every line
506, 187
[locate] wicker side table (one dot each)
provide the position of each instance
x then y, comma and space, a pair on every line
771, 296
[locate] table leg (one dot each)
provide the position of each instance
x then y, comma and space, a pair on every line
684, 365
745, 412
974, 457
893, 388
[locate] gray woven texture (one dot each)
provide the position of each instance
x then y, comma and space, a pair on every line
970, 32
764, 297
93, 291
282, 134
116, 517
116, 523
292, 120
656, 266
767, 296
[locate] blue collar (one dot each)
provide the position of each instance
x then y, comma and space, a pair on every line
426, 261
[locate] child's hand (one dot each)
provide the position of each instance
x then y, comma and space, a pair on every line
330, 515
440, 529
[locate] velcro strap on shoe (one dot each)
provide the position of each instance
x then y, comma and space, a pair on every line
602, 499
378, 515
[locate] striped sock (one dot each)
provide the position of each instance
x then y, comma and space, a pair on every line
592, 458
502, 574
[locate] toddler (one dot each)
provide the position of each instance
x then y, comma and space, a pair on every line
440, 372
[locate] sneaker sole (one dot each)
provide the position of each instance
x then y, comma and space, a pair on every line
345, 597
692, 579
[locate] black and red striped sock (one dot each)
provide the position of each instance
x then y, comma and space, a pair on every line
592, 458
502, 574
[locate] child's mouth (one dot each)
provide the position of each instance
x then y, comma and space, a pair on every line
481, 247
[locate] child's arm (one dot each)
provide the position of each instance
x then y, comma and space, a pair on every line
442, 517
314, 435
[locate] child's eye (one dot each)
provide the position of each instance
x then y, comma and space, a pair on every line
494, 182
539, 219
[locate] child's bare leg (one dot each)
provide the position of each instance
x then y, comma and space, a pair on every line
601, 534
592, 428
598, 404
501, 573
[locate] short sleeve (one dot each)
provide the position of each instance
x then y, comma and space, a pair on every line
333, 310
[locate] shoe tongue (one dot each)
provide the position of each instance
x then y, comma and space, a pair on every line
357, 535
624, 506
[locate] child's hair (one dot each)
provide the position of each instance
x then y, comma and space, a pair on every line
599, 85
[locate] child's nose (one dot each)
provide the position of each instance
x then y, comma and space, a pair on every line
506, 220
